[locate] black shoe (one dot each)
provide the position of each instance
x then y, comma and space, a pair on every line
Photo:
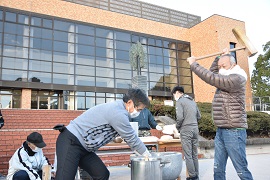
193, 178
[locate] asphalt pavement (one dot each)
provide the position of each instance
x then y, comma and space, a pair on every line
258, 164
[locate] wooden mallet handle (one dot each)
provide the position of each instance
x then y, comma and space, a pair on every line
219, 53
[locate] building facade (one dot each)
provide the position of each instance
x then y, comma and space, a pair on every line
61, 54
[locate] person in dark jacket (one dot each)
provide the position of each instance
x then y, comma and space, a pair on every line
1, 120
146, 121
187, 117
229, 113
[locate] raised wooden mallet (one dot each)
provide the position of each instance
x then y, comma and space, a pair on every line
243, 40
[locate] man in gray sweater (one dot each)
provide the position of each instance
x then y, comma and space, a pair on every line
187, 116
76, 145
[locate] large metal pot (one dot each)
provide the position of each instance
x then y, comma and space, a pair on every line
146, 169
171, 163
173, 166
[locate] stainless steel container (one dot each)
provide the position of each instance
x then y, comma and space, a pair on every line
142, 169
171, 163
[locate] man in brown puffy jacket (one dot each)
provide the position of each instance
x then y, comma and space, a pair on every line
229, 113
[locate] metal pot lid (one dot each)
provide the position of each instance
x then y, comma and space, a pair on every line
144, 159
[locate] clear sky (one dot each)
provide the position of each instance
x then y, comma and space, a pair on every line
255, 14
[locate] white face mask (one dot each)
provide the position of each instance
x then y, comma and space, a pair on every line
134, 114
37, 149
176, 97
224, 71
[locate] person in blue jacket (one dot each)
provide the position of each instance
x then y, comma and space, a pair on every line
146, 121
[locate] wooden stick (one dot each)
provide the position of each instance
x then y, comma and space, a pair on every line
219, 53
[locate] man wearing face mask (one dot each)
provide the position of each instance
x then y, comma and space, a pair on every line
229, 113
28, 160
146, 121
187, 117
77, 144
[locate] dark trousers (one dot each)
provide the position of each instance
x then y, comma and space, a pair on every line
71, 155
190, 142
22, 175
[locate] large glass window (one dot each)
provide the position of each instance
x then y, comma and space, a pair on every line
84, 29
56, 51
39, 77
85, 81
10, 98
15, 63
1, 14
40, 66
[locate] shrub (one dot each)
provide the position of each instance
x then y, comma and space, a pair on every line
258, 122
157, 108
206, 124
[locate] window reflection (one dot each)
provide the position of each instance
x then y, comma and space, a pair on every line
63, 79
85, 70
105, 82
11, 16
40, 54
35, 21
39, 77
83, 29
10, 98
104, 62
70, 53
122, 36
1, 14
104, 72
100, 100
15, 63
122, 74
85, 81
156, 86
47, 23
121, 83
105, 33
40, 66
85, 60
14, 75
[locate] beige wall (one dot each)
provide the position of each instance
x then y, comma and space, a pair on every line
26, 99
87, 14
211, 35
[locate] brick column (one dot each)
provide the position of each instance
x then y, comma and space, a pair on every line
26, 99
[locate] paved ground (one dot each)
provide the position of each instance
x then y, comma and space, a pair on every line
259, 165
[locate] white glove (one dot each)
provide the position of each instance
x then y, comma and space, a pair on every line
158, 127
147, 154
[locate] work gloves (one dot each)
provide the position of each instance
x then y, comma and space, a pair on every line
158, 127
147, 154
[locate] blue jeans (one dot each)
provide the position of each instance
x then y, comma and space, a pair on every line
231, 143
